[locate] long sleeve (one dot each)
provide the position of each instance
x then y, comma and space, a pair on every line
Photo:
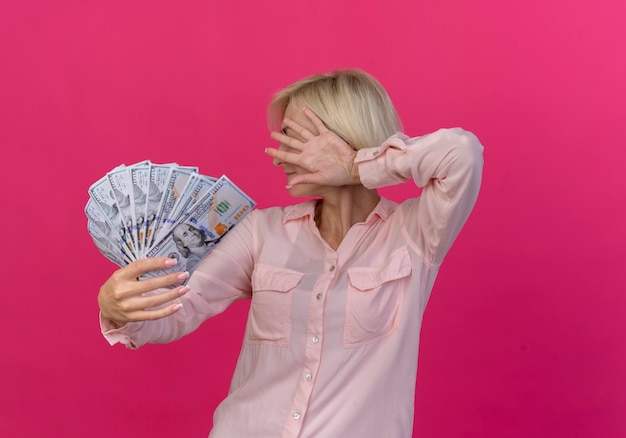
221, 278
447, 164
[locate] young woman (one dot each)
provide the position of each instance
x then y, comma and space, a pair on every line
338, 284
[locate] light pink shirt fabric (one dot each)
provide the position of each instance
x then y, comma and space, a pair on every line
331, 342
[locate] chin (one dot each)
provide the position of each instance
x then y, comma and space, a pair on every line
303, 191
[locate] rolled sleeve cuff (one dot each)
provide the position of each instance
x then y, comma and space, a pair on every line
373, 167
121, 335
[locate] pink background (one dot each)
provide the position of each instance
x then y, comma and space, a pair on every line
525, 334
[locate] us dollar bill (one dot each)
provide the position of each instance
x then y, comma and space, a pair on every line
197, 233
102, 194
153, 210
197, 186
107, 240
119, 180
139, 181
159, 176
175, 186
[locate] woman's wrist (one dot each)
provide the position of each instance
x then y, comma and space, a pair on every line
111, 324
355, 176
117, 325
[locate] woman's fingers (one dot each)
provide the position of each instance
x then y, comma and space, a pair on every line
151, 315
301, 135
328, 158
143, 266
284, 156
304, 132
140, 307
152, 307
127, 279
283, 138
157, 300
162, 281
124, 297
321, 128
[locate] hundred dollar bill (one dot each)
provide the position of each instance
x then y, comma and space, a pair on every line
104, 236
175, 185
197, 186
139, 180
221, 208
159, 176
121, 189
102, 194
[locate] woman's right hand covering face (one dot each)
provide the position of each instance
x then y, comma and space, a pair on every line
327, 158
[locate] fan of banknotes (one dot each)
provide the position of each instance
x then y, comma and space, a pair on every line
162, 210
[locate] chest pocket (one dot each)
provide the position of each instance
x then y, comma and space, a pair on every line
269, 319
374, 299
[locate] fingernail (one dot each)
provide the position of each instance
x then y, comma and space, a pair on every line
170, 262
183, 275
287, 187
177, 307
183, 290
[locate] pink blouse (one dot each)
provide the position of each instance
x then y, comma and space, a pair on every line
331, 342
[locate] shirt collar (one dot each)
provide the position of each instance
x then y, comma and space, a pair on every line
383, 209
298, 211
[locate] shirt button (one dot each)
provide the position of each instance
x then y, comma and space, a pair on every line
296, 415
318, 297
332, 268
308, 377
315, 339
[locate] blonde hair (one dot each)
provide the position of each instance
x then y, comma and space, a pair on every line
351, 103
